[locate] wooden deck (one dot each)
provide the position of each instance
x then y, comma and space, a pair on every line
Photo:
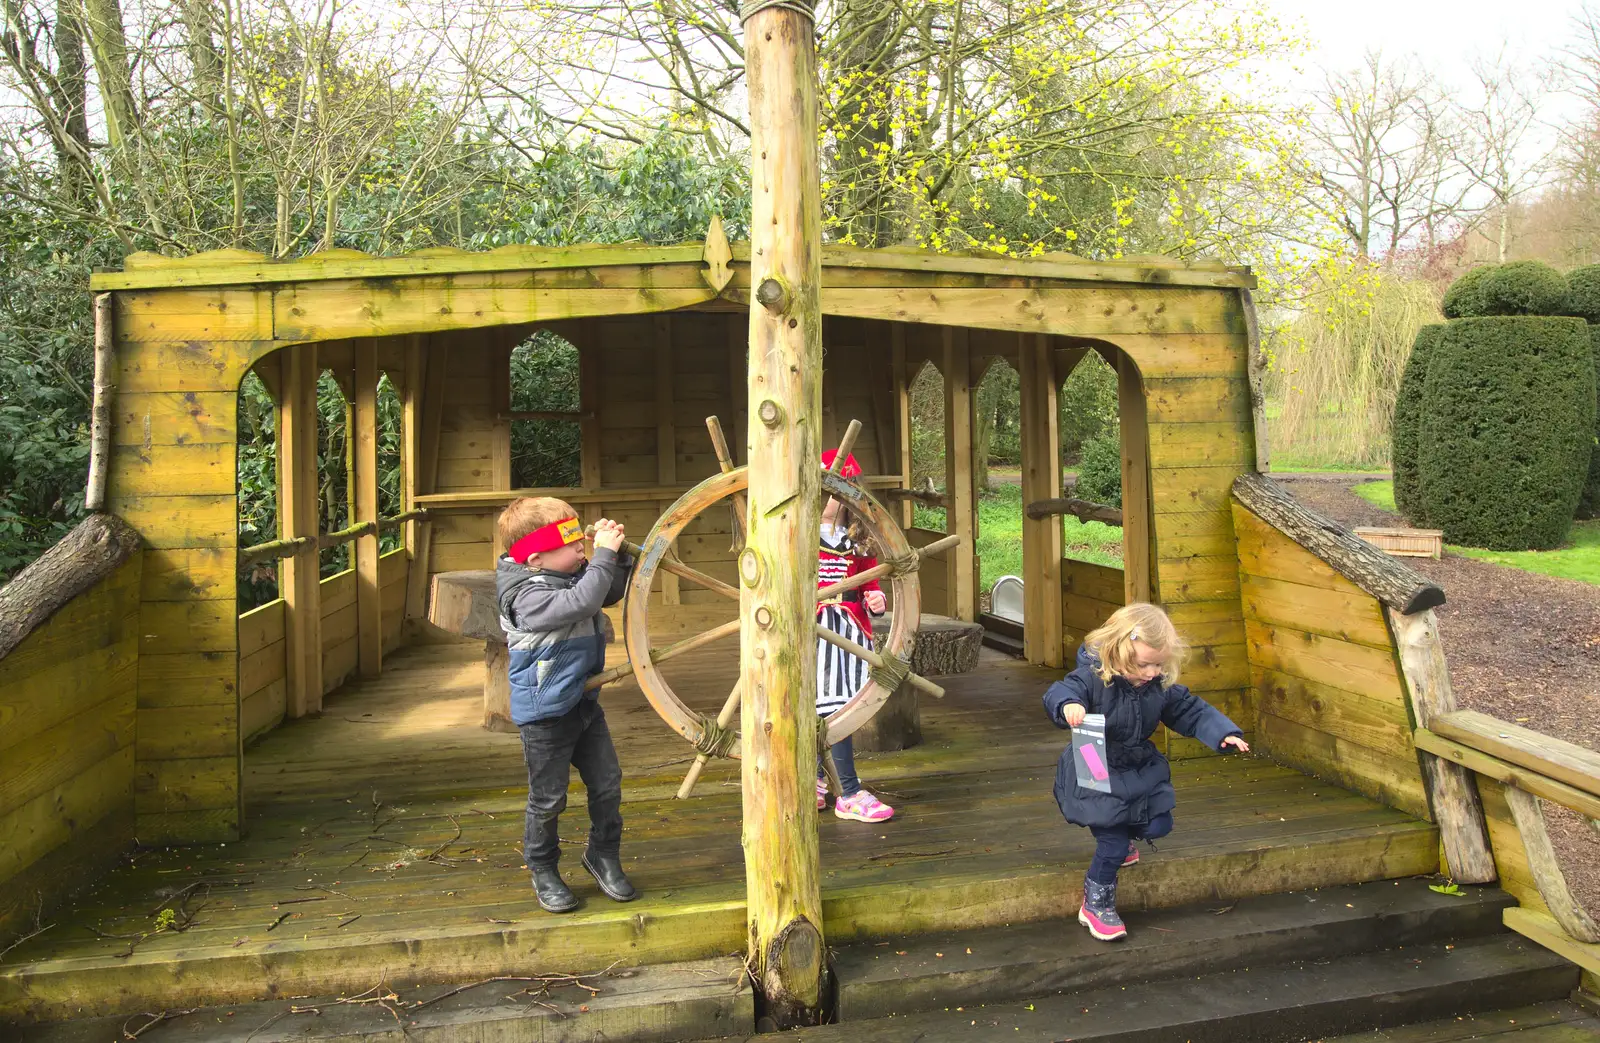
384, 844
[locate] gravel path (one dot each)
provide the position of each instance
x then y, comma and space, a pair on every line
1523, 647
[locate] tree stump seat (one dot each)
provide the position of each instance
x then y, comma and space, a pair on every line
464, 603
943, 646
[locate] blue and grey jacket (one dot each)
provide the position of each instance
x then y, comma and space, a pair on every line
555, 630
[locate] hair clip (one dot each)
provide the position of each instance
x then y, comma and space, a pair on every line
1134, 635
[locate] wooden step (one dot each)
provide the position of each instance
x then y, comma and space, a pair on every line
1275, 1003
1555, 1022
929, 972
654, 1004
676, 923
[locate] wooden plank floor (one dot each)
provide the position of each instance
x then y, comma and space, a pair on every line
384, 844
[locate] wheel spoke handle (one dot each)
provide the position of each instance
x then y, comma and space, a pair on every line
724, 719
876, 661
661, 655
884, 569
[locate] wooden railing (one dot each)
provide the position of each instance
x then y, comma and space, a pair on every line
1524, 767
277, 549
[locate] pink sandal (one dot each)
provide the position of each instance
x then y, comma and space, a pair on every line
822, 794
863, 807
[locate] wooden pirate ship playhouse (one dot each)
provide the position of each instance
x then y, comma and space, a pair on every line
208, 816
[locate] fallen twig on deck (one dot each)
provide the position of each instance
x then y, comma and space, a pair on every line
911, 854
19, 941
436, 854
155, 1019
274, 924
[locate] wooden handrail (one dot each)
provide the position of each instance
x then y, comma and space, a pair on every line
1397, 585
1530, 766
278, 549
1565, 762
1083, 510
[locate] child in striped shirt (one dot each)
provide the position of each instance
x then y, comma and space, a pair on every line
839, 674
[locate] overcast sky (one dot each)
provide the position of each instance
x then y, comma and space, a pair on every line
1445, 34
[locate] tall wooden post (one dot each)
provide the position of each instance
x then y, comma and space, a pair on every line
364, 508
298, 516
778, 567
961, 505
1041, 480
1139, 582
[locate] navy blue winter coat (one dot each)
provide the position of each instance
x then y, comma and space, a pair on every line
1141, 779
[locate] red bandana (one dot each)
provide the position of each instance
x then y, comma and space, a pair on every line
551, 537
848, 469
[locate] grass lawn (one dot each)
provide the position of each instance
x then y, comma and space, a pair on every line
1579, 559
1000, 535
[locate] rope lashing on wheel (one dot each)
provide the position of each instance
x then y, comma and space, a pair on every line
754, 7
904, 564
890, 672
715, 740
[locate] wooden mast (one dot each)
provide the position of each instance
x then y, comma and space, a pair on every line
778, 567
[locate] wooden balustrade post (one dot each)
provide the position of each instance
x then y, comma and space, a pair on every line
778, 566
364, 508
298, 517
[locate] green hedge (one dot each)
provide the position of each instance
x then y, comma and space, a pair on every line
1589, 502
1507, 427
1406, 427
1518, 288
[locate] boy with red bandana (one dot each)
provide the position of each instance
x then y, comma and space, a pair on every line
550, 600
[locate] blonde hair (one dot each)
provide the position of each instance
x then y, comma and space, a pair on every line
1113, 641
528, 513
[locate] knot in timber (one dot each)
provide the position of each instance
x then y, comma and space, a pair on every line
763, 617
773, 295
750, 567
770, 413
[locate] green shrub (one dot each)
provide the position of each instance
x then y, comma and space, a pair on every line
1407, 424
1461, 299
1583, 293
1589, 502
1507, 425
1523, 288
1100, 470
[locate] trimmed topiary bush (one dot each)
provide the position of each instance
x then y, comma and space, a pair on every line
1461, 299
1518, 288
1523, 288
1507, 426
1406, 428
1583, 293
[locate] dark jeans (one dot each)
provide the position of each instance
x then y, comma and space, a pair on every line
552, 748
1111, 845
844, 759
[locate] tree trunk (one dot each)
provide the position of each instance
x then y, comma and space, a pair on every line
198, 24
109, 45
71, 99
778, 567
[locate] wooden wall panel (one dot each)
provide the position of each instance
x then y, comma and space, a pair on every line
1329, 695
181, 355
68, 706
262, 669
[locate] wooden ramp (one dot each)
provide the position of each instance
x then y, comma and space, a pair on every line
385, 835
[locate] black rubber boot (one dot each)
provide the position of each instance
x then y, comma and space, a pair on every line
554, 895
607, 872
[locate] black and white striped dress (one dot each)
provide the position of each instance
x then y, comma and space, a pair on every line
839, 674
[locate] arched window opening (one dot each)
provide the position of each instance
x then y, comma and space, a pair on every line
545, 451
334, 470
927, 443
390, 468
1091, 456
257, 463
